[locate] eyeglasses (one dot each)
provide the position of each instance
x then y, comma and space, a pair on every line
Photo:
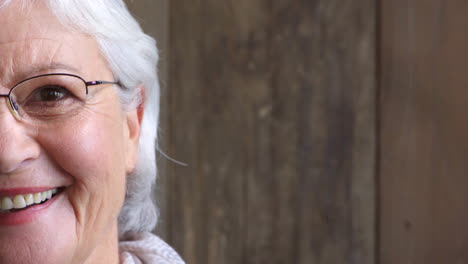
47, 98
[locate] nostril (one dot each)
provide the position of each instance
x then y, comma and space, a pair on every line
11, 167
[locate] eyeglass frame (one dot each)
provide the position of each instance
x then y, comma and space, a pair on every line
14, 109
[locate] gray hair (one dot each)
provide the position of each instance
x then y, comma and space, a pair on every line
132, 56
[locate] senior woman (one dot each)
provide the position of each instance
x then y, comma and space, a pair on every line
77, 133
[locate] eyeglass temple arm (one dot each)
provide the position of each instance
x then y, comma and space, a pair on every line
99, 82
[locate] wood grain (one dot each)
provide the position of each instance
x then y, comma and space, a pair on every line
423, 169
272, 103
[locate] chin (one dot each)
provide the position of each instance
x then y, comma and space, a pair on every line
45, 234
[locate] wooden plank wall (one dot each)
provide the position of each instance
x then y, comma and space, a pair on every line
272, 105
424, 203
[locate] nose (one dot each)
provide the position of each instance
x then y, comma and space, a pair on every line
17, 146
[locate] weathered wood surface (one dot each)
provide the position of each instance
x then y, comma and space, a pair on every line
272, 104
424, 203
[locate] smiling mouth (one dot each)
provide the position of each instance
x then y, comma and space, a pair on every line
22, 202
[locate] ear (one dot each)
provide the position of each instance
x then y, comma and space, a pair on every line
132, 134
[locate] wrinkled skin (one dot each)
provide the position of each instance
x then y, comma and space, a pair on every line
91, 153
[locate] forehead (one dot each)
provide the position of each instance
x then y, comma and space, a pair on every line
33, 41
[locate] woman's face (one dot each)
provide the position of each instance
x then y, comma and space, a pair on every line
89, 153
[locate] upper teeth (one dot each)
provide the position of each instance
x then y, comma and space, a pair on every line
22, 200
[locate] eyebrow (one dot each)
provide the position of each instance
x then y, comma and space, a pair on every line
45, 68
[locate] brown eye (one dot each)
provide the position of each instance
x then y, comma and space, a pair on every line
50, 94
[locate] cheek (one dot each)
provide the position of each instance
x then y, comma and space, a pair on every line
87, 149
91, 153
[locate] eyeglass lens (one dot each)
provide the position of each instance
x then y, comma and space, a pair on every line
47, 98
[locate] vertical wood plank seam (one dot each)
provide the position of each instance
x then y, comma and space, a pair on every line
378, 84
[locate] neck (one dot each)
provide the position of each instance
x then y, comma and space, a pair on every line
107, 250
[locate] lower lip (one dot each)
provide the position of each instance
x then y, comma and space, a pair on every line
27, 215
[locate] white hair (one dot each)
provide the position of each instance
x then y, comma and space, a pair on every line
132, 56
